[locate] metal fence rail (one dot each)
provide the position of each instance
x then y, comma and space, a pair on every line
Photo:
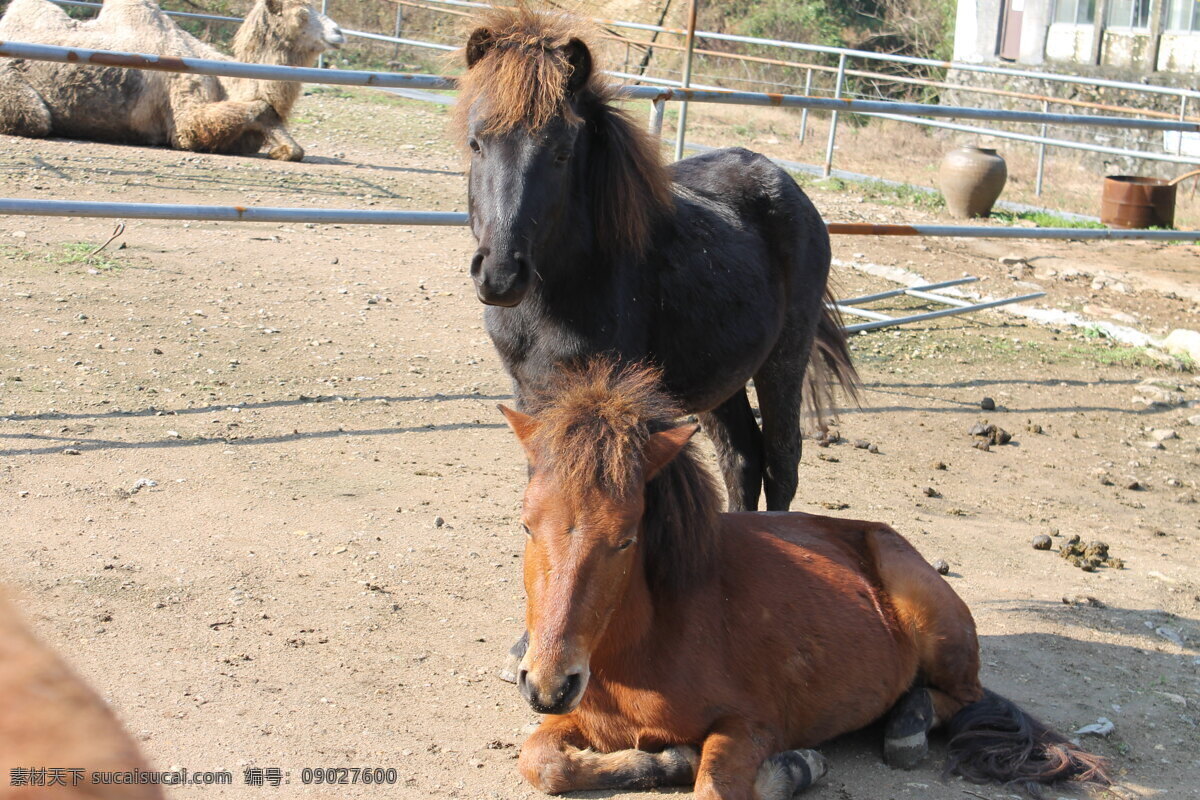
16, 206
398, 80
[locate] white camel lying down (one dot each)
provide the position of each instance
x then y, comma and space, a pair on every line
188, 112
49, 719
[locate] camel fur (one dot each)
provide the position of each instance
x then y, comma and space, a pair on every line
50, 719
188, 112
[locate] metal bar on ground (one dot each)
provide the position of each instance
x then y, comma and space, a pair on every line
928, 287
862, 312
237, 69
943, 312
936, 297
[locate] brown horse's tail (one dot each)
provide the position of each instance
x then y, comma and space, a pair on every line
829, 364
993, 740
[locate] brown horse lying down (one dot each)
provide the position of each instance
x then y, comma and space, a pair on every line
672, 644
50, 719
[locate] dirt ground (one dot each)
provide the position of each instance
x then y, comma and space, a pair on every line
254, 485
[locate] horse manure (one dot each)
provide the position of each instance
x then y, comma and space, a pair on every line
941, 565
938, 465
983, 445
1041, 542
1088, 557
990, 433
828, 437
830, 459
834, 506
1033, 427
929, 491
862, 444
1135, 486
873, 448
987, 404
1083, 600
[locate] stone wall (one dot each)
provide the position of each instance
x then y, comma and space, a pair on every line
1153, 141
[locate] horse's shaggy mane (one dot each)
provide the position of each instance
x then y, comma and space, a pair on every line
593, 423
521, 82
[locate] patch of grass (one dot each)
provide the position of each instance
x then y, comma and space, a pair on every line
1044, 219
885, 193
72, 253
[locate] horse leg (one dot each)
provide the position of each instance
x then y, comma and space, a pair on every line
738, 443
779, 383
736, 764
556, 759
23, 112
943, 636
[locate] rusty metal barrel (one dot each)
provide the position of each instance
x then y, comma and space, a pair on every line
1134, 201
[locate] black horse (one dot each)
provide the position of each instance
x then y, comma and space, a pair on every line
713, 269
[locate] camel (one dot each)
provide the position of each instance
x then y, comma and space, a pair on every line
51, 721
188, 112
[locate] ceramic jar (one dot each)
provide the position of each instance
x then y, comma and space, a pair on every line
971, 179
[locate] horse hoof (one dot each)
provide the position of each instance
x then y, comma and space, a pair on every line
906, 739
789, 773
508, 673
287, 152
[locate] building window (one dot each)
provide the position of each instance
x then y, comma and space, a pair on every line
1133, 14
1183, 15
1077, 12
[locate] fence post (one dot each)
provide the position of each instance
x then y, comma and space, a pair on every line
833, 120
1182, 118
657, 108
1037, 190
321, 56
804, 112
399, 27
687, 79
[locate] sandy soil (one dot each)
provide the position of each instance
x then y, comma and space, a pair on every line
254, 486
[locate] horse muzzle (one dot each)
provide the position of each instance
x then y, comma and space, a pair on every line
501, 282
556, 694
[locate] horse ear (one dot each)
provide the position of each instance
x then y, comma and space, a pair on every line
661, 448
522, 425
478, 44
580, 59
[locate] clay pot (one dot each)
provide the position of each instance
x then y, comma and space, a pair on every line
971, 179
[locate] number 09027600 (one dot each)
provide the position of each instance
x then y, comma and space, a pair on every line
347, 775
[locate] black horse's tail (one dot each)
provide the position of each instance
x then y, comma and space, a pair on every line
993, 740
829, 364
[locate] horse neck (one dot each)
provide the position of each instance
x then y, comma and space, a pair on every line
256, 43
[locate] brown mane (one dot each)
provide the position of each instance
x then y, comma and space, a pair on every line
592, 426
521, 83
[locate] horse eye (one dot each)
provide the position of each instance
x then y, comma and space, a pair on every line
562, 156
528, 532
625, 545
473, 144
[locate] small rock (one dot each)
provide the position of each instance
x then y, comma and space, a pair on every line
1163, 434
1083, 600
1042, 542
1033, 427
1170, 634
862, 444
929, 491
71, 451
1013, 260
1101, 727
873, 448
1105, 480
1194, 419
438, 522
142, 483
174, 435
1174, 483
941, 566
1154, 445
1135, 486
987, 404
938, 465
983, 445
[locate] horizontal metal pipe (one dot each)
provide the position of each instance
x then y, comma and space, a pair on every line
231, 69
863, 312
989, 232
14, 206
943, 312
937, 298
1025, 137
338, 216
236, 69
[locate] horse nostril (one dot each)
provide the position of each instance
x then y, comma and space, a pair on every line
570, 687
477, 262
523, 680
